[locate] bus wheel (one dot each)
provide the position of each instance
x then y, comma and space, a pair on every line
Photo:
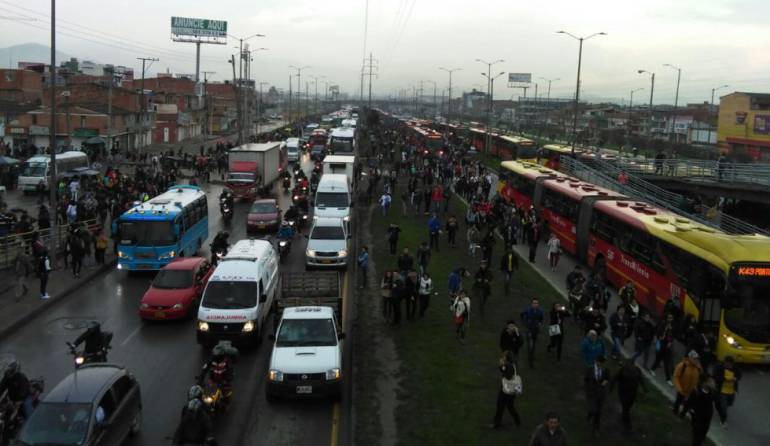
600, 268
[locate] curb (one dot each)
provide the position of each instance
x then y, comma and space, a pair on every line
53, 301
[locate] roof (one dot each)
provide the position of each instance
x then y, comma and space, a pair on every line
266, 201
257, 147
184, 263
15, 107
517, 140
249, 250
342, 133
166, 204
577, 190
327, 221
529, 170
332, 179
753, 95
339, 159
83, 385
308, 312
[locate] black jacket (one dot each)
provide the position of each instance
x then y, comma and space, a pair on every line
504, 262
719, 376
510, 342
405, 262
701, 405
17, 385
596, 390
644, 331
620, 326
628, 379
195, 426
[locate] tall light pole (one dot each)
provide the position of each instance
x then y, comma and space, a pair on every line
315, 80
577, 88
548, 94
630, 105
259, 105
299, 87
449, 103
241, 57
652, 91
711, 109
53, 181
489, 77
676, 98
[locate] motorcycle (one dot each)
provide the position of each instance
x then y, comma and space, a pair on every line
81, 357
301, 222
300, 199
286, 184
284, 246
217, 254
226, 210
215, 379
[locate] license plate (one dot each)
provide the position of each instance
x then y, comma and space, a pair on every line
304, 389
160, 314
326, 261
143, 266
261, 226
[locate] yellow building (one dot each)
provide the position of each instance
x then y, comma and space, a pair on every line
744, 126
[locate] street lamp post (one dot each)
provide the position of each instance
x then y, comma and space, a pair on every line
489, 77
449, 103
711, 110
630, 106
652, 91
548, 96
491, 80
259, 105
299, 87
676, 99
577, 88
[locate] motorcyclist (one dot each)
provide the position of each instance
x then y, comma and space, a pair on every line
292, 214
96, 340
286, 232
227, 196
195, 427
220, 243
17, 385
219, 368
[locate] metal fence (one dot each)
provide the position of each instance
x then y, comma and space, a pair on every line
698, 169
605, 174
13, 245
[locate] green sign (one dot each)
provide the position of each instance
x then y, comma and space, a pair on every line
187, 29
84, 132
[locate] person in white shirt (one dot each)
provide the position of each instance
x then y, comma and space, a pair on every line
385, 203
554, 250
74, 189
425, 290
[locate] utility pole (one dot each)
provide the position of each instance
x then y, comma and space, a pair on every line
299, 87
52, 180
711, 111
489, 76
238, 105
206, 106
109, 108
66, 93
676, 100
259, 104
449, 102
372, 66
144, 101
290, 99
652, 91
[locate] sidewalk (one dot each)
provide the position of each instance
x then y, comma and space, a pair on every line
61, 283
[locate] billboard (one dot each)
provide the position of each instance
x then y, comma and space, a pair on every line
521, 78
334, 89
186, 29
762, 124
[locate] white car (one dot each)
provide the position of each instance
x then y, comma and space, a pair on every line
327, 244
307, 354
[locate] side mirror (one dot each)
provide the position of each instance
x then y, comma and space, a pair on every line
352, 203
341, 336
263, 297
271, 337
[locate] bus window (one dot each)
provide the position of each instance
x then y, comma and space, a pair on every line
523, 185
560, 204
603, 226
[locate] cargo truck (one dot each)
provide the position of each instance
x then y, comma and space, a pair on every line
252, 168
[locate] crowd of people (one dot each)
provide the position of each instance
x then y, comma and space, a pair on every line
427, 184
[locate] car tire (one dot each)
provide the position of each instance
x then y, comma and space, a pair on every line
136, 423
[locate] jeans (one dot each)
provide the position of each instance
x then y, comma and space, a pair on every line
43, 283
664, 355
505, 401
424, 302
641, 348
556, 341
617, 341
434, 240
531, 341
723, 402
411, 306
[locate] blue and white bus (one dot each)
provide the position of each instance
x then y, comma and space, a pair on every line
152, 234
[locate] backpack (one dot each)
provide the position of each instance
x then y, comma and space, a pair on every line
513, 386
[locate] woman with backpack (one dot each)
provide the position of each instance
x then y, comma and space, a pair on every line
510, 387
461, 310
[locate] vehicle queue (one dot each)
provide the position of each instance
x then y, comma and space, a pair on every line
230, 296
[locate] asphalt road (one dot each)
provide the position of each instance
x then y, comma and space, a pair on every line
166, 358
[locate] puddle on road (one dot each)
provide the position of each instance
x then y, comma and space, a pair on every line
66, 325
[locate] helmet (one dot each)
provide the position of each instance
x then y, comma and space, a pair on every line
13, 367
195, 392
94, 325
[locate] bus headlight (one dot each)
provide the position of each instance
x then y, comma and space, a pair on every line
123, 255
248, 327
731, 341
333, 374
275, 375
203, 326
168, 255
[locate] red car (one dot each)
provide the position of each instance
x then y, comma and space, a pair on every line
176, 291
264, 215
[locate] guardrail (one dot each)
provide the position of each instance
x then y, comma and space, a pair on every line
12, 245
639, 189
703, 169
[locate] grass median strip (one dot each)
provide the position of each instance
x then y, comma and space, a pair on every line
448, 389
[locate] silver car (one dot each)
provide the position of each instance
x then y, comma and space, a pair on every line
327, 245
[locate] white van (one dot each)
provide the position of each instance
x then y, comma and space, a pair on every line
333, 198
292, 150
344, 164
307, 354
327, 244
239, 294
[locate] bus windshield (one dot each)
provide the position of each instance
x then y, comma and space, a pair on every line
35, 169
748, 312
342, 145
147, 233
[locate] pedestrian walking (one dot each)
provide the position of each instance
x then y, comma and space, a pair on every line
22, 269
664, 341
455, 282
386, 292
473, 237
591, 347
620, 329
509, 263
701, 406
554, 251
532, 240
628, 379
412, 285
556, 328
399, 295
644, 333
532, 318
510, 387
434, 229
363, 266
405, 262
393, 233
451, 231
461, 310
423, 256
596, 380
687, 374
482, 284
100, 247
88, 243
77, 250
726, 378
45, 269
550, 433
426, 289
385, 203
510, 340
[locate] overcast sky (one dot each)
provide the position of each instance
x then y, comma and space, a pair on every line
715, 42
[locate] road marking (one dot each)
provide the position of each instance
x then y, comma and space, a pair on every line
131, 336
335, 424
